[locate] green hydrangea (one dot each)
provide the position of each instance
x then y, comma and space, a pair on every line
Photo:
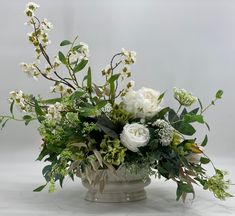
112, 151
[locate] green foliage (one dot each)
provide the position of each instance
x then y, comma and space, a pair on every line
82, 64
183, 188
62, 58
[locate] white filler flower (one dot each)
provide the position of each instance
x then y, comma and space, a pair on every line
134, 136
142, 103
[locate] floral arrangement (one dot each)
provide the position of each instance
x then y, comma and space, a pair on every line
88, 127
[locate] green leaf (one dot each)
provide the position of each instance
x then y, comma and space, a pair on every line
4, 123
76, 95
62, 58
204, 160
40, 188
38, 110
161, 96
194, 118
65, 42
27, 119
184, 128
89, 81
11, 107
207, 125
77, 48
219, 94
82, 64
113, 78
51, 101
204, 142
101, 104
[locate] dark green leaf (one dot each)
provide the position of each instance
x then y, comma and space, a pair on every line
194, 111
40, 188
65, 42
82, 64
184, 128
172, 116
219, 94
38, 109
204, 142
11, 108
204, 160
62, 58
4, 123
27, 119
107, 126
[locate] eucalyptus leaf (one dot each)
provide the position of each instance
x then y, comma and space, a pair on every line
40, 188
219, 94
204, 142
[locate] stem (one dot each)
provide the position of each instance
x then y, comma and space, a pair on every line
211, 104
179, 109
46, 56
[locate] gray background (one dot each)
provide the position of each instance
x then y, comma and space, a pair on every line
182, 43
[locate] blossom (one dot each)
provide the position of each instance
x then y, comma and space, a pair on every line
134, 136
29, 69
107, 71
61, 88
46, 24
54, 111
165, 131
73, 57
129, 56
30, 8
20, 99
184, 97
142, 103
84, 50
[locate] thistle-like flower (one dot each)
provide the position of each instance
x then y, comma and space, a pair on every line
184, 97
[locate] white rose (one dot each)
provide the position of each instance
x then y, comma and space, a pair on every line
142, 103
134, 136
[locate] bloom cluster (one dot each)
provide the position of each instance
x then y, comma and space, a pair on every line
184, 97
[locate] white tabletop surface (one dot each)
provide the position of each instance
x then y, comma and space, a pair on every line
20, 174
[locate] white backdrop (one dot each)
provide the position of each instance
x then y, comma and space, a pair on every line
181, 43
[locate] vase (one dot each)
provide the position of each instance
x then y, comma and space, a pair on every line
122, 186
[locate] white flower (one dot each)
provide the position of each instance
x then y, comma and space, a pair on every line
31, 7
54, 111
107, 71
73, 57
129, 56
165, 131
46, 24
142, 103
19, 98
60, 88
134, 136
84, 49
184, 97
29, 69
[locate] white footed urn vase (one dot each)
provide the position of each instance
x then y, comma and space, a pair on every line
121, 187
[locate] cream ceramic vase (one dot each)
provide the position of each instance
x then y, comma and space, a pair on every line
122, 187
